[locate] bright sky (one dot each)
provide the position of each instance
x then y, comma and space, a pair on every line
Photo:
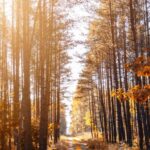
80, 28
80, 32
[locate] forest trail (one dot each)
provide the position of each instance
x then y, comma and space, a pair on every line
73, 143
73, 66
76, 143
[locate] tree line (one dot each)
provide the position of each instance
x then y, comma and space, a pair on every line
33, 58
114, 85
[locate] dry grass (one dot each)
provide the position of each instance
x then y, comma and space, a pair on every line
97, 144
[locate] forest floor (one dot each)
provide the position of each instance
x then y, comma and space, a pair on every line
83, 142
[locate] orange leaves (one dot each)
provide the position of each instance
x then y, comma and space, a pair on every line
145, 71
119, 94
146, 49
139, 94
132, 93
141, 66
136, 93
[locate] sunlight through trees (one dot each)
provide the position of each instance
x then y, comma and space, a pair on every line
111, 101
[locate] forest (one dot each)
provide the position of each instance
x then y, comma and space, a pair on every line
110, 106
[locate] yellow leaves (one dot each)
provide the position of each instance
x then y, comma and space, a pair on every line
132, 92
136, 93
113, 93
76, 105
119, 94
50, 128
87, 118
132, 107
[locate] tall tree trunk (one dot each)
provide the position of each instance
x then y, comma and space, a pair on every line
129, 131
119, 116
26, 78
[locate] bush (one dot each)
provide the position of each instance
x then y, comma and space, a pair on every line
61, 146
97, 144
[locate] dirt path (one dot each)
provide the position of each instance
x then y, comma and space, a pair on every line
73, 144
76, 143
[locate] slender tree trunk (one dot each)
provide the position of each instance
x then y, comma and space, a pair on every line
26, 78
119, 116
